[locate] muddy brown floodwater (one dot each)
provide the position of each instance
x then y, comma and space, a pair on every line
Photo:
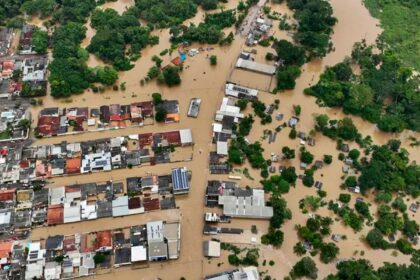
199, 79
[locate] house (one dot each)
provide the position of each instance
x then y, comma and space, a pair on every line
105, 114
241, 92
100, 161
255, 67
244, 204
180, 180
73, 165
34, 69
115, 112
48, 125
34, 271
6, 35
227, 108
242, 273
171, 107
5, 252
72, 212
120, 206
54, 243
138, 254
52, 271
157, 248
55, 215
211, 249
88, 211
25, 40
103, 241
8, 195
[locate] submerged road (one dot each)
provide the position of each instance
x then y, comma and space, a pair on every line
251, 17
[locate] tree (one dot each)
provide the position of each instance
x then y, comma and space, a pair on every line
328, 159
306, 157
289, 174
399, 204
308, 181
289, 53
153, 72
354, 154
293, 133
328, 252
288, 153
242, 104
245, 125
384, 197
99, 258
346, 129
297, 109
157, 98
274, 237
321, 121
376, 240
344, 197
106, 75
362, 208
40, 41
213, 60
306, 267
355, 269
299, 249
160, 114
286, 77
404, 246
171, 76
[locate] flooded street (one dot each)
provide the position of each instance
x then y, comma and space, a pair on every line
201, 80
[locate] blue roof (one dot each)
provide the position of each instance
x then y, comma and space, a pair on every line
180, 179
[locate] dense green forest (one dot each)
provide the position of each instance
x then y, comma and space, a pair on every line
209, 31
362, 269
315, 27
400, 21
115, 33
385, 92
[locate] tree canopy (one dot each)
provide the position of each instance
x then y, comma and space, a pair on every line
386, 92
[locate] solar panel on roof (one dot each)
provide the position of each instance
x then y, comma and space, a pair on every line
180, 179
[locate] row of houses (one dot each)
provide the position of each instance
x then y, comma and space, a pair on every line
56, 121
26, 164
83, 254
23, 209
